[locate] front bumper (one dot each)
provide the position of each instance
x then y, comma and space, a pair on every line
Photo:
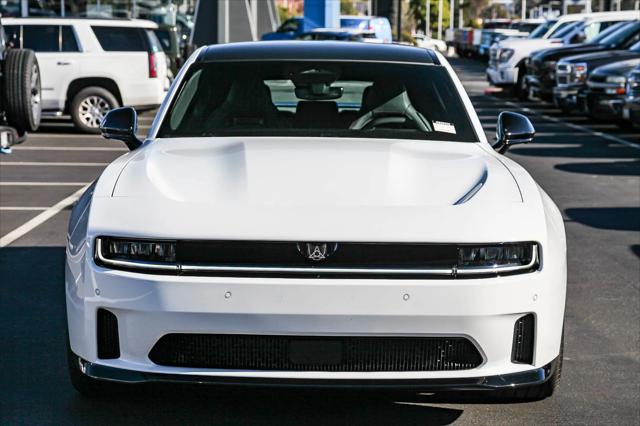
148, 307
603, 105
631, 111
530, 377
498, 76
566, 96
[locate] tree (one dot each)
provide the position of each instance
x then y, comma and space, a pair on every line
418, 12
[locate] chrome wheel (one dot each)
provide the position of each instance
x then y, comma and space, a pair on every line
92, 110
36, 109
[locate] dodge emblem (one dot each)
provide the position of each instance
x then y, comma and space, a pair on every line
317, 251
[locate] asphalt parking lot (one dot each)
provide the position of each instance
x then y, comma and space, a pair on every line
591, 170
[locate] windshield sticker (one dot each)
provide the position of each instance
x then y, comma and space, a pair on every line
443, 126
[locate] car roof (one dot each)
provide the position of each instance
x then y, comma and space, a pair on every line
115, 22
317, 50
601, 15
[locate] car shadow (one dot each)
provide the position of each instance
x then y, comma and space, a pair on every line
612, 218
35, 388
614, 168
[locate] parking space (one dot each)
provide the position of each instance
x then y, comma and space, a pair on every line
591, 170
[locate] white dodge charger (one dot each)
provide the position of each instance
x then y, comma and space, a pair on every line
317, 214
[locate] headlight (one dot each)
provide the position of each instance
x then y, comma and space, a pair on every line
580, 71
505, 54
515, 256
127, 253
617, 79
550, 65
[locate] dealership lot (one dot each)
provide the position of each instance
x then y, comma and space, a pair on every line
592, 170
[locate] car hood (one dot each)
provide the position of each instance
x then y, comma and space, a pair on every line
314, 172
553, 54
524, 47
317, 190
596, 59
617, 68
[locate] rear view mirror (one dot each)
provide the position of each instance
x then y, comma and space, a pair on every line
121, 124
512, 129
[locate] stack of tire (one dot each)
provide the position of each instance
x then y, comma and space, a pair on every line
20, 95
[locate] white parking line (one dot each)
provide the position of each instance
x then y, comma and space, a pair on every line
69, 148
41, 218
47, 164
11, 208
43, 183
574, 126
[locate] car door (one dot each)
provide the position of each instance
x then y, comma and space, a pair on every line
58, 53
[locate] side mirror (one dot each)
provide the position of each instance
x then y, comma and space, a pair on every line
512, 129
121, 124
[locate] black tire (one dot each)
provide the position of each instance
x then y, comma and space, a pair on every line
88, 107
537, 392
22, 90
520, 90
85, 385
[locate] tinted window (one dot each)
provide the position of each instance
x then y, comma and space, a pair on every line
564, 28
13, 34
69, 42
621, 34
40, 38
165, 39
318, 99
154, 43
542, 29
289, 26
121, 39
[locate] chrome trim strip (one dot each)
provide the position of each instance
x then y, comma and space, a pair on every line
194, 268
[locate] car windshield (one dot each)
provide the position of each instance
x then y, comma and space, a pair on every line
542, 29
567, 29
618, 34
318, 99
635, 47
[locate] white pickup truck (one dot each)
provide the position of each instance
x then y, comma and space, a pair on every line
507, 57
89, 66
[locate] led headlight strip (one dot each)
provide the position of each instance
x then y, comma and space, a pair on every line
161, 256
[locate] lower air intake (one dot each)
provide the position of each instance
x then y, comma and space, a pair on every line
108, 340
315, 353
523, 340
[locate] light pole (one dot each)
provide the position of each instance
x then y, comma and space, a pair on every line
440, 19
427, 20
524, 10
452, 14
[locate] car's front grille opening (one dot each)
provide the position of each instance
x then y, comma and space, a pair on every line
108, 339
315, 353
523, 340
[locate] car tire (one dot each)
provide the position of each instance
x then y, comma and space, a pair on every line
22, 90
520, 90
537, 392
89, 106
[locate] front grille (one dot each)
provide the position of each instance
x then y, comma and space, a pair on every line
523, 340
315, 353
108, 340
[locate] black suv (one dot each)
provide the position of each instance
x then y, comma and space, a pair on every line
20, 107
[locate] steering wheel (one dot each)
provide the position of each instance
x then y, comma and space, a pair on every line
397, 110
373, 121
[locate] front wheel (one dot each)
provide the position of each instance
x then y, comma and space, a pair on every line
22, 90
89, 106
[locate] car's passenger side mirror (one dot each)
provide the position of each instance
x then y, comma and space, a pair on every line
512, 129
121, 124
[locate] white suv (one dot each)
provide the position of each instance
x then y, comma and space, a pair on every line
90, 66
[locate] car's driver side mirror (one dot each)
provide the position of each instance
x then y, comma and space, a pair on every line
121, 124
512, 129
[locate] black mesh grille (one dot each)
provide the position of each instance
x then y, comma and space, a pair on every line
108, 341
296, 353
523, 339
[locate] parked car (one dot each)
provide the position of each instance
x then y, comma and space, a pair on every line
427, 42
340, 34
169, 38
294, 28
20, 93
541, 67
631, 107
606, 91
89, 66
325, 238
517, 29
573, 72
507, 66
